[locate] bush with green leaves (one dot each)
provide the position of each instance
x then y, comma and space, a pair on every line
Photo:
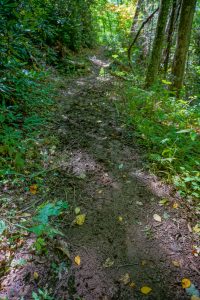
169, 129
34, 34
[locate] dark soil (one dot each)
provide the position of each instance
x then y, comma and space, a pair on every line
101, 171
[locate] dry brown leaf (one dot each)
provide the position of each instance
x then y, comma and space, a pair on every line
33, 189
176, 263
175, 205
132, 285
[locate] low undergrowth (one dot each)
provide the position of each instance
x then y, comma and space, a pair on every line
169, 130
30, 100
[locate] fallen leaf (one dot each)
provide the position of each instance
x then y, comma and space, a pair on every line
33, 189
189, 227
196, 228
157, 218
64, 247
186, 283
77, 210
139, 203
164, 202
166, 216
196, 250
108, 263
120, 219
80, 219
35, 275
132, 285
121, 166
125, 279
82, 176
195, 298
143, 263
145, 290
77, 260
176, 263
175, 205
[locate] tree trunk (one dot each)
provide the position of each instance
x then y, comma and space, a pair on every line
153, 67
135, 18
170, 31
183, 42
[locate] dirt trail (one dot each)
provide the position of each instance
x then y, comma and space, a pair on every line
122, 248
120, 235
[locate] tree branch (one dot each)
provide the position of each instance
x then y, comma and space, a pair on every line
138, 33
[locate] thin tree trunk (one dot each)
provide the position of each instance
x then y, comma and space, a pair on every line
170, 31
135, 18
183, 42
138, 33
153, 67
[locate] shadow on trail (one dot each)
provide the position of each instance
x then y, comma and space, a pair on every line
122, 248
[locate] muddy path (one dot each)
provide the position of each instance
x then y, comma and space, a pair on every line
122, 248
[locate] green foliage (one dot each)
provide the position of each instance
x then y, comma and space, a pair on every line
168, 127
33, 34
2, 227
113, 22
41, 295
42, 219
21, 117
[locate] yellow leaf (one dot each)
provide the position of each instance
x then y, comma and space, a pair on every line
196, 229
145, 290
33, 189
125, 279
120, 219
157, 218
186, 283
80, 219
77, 260
35, 275
132, 285
175, 205
176, 263
195, 298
